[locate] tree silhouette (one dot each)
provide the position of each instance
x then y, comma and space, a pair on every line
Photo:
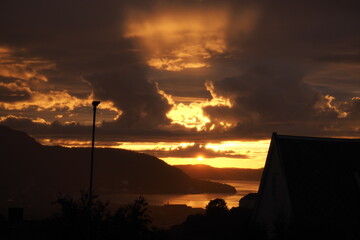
131, 221
78, 218
217, 223
217, 208
86, 218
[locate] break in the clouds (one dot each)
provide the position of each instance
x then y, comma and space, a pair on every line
181, 69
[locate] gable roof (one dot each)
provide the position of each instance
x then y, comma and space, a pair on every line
322, 175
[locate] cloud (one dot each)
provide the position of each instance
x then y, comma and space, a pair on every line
141, 105
83, 45
12, 93
283, 66
42, 129
191, 114
177, 37
269, 93
341, 58
275, 98
193, 151
287, 66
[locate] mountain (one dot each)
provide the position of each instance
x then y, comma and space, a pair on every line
29, 168
202, 171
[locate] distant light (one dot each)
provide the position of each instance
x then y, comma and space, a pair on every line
200, 158
95, 103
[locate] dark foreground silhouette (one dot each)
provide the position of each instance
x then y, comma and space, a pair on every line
86, 218
78, 219
310, 184
54, 168
32, 174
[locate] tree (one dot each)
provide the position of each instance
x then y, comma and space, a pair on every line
78, 218
216, 207
86, 218
132, 221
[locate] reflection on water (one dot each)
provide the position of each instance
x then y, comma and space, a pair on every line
193, 200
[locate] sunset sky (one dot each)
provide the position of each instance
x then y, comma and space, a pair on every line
189, 81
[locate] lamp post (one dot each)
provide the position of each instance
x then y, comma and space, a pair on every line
95, 104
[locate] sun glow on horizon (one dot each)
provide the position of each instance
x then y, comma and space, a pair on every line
251, 154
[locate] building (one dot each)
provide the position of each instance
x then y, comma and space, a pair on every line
248, 201
310, 184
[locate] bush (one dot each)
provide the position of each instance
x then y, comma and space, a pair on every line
217, 208
89, 218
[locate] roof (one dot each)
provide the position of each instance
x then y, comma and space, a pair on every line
323, 176
250, 196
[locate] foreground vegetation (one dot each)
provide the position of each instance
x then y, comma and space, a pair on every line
90, 218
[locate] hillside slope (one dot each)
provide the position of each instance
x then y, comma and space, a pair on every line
201, 171
31, 169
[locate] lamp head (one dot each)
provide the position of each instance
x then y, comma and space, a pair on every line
95, 103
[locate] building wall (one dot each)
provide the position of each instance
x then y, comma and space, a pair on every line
273, 210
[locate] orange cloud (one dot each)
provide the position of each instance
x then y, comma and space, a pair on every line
52, 101
34, 120
191, 115
327, 103
24, 79
179, 39
20, 68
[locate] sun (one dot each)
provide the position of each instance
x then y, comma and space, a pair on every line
200, 158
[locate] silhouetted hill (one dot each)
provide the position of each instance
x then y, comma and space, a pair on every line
30, 169
202, 171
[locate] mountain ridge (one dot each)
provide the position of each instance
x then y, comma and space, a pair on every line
29, 168
203, 171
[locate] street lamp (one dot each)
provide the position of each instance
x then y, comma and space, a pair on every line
95, 104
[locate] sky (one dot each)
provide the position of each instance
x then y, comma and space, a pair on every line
189, 81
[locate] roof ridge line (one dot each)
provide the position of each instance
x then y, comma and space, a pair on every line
280, 136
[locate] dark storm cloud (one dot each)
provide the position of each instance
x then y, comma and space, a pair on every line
265, 99
8, 94
304, 29
194, 151
142, 106
299, 33
294, 41
4, 79
84, 40
277, 71
272, 99
108, 132
55, 129
353, 58
355, 110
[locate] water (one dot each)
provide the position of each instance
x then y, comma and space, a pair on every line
42, 210
193, 200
